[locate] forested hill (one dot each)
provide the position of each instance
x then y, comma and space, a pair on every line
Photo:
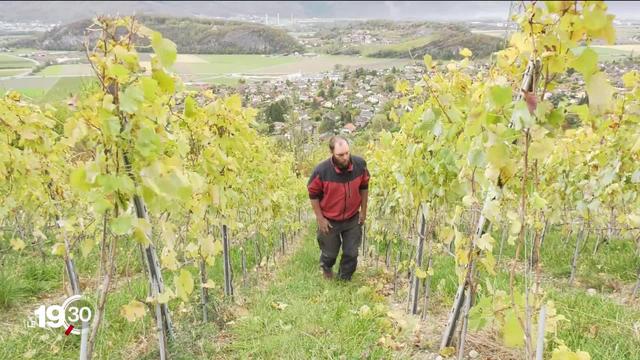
191, 35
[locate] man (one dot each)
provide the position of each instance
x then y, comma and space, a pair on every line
338, 189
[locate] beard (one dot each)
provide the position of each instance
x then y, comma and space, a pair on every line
340, 165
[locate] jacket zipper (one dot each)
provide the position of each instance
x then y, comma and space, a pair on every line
347, 193
344, 211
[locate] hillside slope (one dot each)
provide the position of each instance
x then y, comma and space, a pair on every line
190, 35
388, 39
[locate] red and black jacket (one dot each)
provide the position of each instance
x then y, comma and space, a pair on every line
339, 190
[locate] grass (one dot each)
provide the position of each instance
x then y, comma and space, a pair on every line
597, 325
320, 320
44, 279
12, 290
115, 334
28, 278
615, 261
33, 281
316, 319
297, 314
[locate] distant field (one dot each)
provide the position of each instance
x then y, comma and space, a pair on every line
627, 47
627, 34
609, 53
11, 65
59, 81
228, 64
215, 80
494, 33
34, 88
16, 51
39, 83
68, 69
8, 61
195, 67
66, 87
328, 62
366, 50
46, 88
219, 68
13, 71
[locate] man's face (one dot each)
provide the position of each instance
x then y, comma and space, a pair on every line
341, 155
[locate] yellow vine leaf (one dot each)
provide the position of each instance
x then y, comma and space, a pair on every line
165, 296
466, 52
600, 92
512, 333
17, 244
58, 249
485, 242
164, 48
184, 284
133, 311
564, 353
168, 259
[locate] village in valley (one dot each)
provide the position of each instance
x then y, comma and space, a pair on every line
347, 100
343, 100
340, 78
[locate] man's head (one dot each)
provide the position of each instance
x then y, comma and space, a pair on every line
340, 151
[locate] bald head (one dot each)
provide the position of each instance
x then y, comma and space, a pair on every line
340, 152
337, 141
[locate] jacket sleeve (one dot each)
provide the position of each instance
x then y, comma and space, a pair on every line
364, 185
314, 186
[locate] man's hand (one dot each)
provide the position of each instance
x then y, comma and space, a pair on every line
324, 225
363, 206
363, 217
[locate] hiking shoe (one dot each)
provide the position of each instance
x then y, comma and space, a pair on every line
344, 278
328, 274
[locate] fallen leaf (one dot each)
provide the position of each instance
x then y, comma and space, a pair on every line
447, 351
279, 305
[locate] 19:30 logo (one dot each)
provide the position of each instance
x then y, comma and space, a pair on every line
75, 314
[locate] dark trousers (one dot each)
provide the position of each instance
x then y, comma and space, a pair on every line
347, 234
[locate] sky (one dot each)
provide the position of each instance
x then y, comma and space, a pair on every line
65, 11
